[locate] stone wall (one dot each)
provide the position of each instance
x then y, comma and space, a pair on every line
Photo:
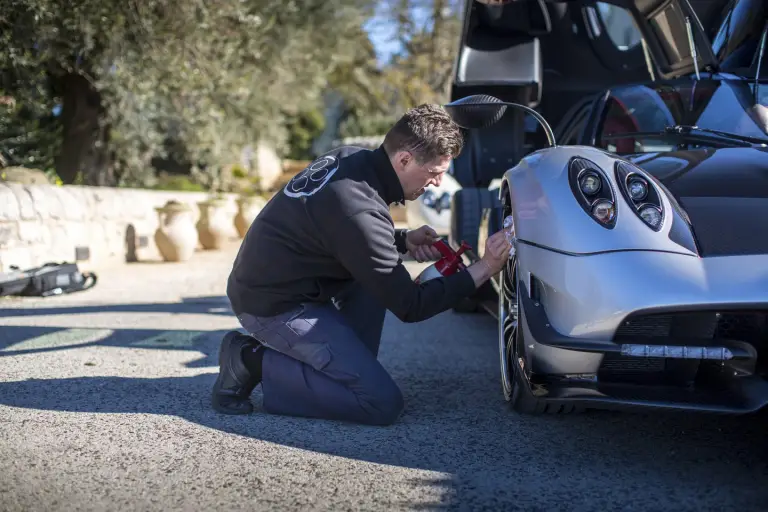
91, 225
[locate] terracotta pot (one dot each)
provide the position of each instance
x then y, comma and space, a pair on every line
213, 226
176, 237
248, 207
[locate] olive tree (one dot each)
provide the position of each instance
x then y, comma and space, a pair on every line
210, 76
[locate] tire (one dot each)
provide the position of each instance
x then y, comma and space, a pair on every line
514, 384
496, 219
466, 211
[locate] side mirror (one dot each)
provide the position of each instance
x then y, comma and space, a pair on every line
483, 110
476, 111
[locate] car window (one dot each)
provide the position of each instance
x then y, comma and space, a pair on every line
635, 109
619, 26
736, 43
734, 106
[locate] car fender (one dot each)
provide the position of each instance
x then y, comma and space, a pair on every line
546, 212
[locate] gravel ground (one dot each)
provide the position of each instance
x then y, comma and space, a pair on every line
104, 406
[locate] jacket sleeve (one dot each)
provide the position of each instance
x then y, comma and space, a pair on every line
364, 243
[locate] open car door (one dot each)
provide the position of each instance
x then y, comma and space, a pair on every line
673, 36
557, 55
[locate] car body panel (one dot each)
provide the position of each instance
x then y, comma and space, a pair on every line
594, 318
622, 314
724, 192
546, 213
590, 296
593, 300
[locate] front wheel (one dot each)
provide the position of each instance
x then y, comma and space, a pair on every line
514, 383
511, 382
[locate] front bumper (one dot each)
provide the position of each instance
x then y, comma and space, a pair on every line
645, 328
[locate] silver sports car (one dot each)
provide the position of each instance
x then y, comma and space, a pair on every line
639, 273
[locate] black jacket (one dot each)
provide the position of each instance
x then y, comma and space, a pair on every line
331, 225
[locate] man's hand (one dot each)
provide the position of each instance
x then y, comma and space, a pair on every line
496, 256
497, 251
419, 244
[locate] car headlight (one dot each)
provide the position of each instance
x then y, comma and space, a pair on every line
590, 183
651, 215
593, 191
638, 189
603, 211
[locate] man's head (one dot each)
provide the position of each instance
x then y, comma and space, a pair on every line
421, 146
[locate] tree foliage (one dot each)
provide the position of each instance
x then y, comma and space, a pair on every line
427, 33
424, 67
213, 76
195, 82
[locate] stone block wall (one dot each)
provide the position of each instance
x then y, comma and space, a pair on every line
91, 225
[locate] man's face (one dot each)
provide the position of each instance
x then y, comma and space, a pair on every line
415, 177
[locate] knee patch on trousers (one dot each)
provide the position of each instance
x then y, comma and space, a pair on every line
388, 405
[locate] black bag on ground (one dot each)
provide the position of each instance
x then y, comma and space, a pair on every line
49, 279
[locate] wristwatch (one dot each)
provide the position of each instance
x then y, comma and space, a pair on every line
400, 237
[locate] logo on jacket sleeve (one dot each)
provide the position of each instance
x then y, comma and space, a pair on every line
313, 178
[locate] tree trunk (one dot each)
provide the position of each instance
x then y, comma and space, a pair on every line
438, 6
83, 151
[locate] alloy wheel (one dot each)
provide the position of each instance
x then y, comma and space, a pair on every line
508, 324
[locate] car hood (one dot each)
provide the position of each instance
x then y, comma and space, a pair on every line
723, 192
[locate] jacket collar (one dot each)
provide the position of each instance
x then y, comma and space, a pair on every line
388, 186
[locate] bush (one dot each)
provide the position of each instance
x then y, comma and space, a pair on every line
177, 182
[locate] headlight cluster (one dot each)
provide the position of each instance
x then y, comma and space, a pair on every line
443, 202
593, 190
640, 193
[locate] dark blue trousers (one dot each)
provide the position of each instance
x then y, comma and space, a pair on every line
321, 361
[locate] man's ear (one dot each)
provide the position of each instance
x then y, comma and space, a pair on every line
402, 158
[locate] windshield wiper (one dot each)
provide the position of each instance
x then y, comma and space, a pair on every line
682, 128
688, 134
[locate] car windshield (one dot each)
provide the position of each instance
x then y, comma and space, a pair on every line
734, 106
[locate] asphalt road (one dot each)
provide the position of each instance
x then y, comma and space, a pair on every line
104, 406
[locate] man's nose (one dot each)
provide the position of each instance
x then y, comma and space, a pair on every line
436, 181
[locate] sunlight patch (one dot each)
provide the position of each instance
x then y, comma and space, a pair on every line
62, 338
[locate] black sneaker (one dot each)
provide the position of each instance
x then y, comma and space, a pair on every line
232, 390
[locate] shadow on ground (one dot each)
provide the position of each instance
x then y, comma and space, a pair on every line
212, 305
16, 341
486, 450
456, 423
19, 340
